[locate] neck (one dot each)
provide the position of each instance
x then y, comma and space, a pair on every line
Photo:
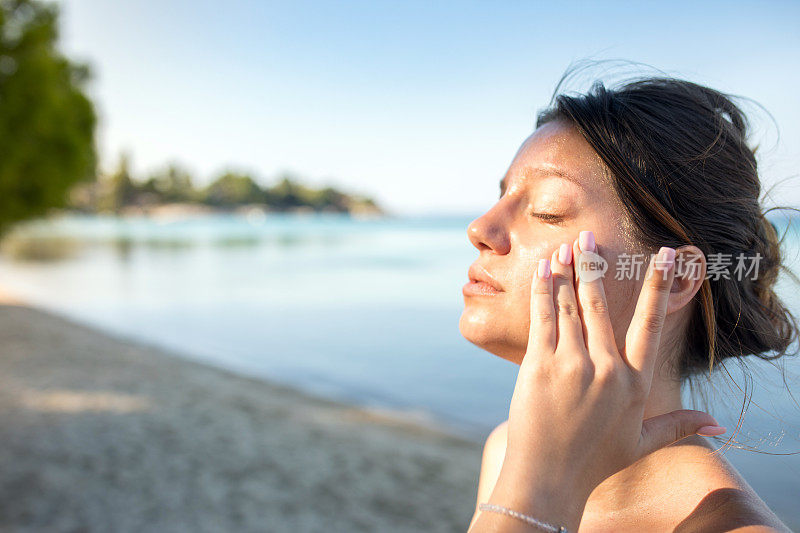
623, 488
665, 396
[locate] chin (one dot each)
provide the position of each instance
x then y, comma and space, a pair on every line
476, 327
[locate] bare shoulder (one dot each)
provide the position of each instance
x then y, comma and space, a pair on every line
493, 452
706, 493
689, 489
731, 509
491, 461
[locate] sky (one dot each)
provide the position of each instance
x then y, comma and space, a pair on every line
421, 105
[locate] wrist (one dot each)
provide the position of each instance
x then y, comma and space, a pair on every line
552, 475
553, 498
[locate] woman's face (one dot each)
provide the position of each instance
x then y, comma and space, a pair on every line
555, 187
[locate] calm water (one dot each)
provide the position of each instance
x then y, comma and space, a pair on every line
361, 311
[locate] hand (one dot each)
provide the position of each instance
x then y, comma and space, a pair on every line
576, 416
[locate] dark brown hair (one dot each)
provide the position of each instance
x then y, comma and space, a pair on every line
680, 162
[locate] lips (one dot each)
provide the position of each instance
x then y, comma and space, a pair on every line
481, 283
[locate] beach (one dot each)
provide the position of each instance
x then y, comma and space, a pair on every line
101, 433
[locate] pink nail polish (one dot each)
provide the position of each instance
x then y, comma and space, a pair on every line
565, 254
666, 257
544, 268
711, 431
586, 241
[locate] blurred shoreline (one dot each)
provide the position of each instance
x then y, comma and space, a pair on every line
105, 434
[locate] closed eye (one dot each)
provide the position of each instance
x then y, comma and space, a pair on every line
550, 219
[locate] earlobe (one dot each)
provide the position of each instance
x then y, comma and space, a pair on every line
690, 271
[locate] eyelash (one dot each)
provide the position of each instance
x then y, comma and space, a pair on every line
550, 219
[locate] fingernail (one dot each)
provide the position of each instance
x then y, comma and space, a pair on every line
544, 268
711, 431
586, 241
666, 257
565, 254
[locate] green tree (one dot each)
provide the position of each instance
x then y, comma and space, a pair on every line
232, 189
118, 189
287, 193
47, 123
173, 184
330, 199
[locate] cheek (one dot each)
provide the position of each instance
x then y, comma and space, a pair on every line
519, 279
526, 260
517, 303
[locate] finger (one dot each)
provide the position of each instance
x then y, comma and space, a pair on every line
542, 333
570, 329
663, 430
592, 302
644, 334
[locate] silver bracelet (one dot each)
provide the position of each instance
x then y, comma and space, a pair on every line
519, 516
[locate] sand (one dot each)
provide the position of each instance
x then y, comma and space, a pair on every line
104, 434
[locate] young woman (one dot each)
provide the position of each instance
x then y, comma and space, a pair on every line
627, 252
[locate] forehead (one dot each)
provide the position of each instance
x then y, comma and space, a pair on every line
556, 149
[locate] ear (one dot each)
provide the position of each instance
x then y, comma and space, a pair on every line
690, 272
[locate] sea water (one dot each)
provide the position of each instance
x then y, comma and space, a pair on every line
362, 311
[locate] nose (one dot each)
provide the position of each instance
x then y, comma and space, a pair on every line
490, 231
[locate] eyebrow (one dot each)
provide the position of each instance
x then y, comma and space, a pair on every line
529, 172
